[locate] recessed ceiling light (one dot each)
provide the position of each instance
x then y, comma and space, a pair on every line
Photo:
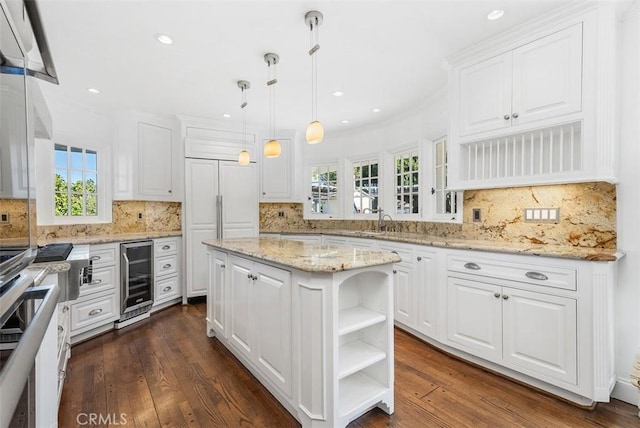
495, 14
338, 93
344, 121
94, 90
164, 38
375, 110
226, 115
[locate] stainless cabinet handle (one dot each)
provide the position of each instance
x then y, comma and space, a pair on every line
95, 282
167, 288
94, 258
95, 312
507, 117
167, 266
472, 266
505, 297
536, 275
496, 295
419, 258
166, 247
515, 115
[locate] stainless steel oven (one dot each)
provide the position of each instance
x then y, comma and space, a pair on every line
136, 271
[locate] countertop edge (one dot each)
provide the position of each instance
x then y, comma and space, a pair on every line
106, 239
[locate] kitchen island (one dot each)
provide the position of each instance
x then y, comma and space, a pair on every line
314, 323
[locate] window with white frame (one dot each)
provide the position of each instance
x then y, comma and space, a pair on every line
324, 189
445, 203
406, 177
365, 186
75, 181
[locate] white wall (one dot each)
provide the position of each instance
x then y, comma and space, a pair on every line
627, 296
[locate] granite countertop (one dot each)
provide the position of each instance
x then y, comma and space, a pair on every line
105, 239
304, 256
52, 267
568, 252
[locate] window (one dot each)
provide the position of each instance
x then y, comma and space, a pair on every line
365, 186
75, 181
445, 202
324, 189
407, 168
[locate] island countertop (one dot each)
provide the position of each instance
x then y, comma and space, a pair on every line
304, 256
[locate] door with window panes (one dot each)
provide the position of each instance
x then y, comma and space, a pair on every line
365, 186
324, 189
407, 192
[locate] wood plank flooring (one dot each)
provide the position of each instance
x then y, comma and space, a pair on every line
165, 371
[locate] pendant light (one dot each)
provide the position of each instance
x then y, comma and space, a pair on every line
272, 149
315, 130
243, 157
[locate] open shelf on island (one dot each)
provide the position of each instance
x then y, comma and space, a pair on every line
357, 355
358, 389
356, 318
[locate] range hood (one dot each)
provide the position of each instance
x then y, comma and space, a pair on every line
28, 25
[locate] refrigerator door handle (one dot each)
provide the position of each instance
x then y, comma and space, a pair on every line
220, 218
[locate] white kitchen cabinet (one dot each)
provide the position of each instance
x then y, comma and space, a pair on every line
259, 304
540, 80
277, 174
217, 294
404, 286
98, 305
167, 260
147, 158
425, 273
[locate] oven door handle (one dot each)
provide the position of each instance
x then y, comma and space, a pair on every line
16, 371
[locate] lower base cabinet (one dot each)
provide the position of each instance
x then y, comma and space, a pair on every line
321, 342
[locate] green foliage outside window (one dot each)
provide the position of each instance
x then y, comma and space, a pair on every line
77, 196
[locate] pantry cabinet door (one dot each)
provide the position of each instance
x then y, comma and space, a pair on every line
474, 317
240, 310
540, 334
547, 77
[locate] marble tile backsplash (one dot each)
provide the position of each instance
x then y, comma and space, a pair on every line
587, 217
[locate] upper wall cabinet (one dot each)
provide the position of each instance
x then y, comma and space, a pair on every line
537, 81
279, 180
536, 105
147, 158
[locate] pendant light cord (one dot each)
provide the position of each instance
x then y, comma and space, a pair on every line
314, 70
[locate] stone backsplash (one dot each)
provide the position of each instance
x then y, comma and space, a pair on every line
587, 217
18, 218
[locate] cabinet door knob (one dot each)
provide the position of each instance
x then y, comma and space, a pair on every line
223, 266
515, 115
507, 117
496, 295
419, 258
169, 191
249, 276
505, 297
65, 308
395, 271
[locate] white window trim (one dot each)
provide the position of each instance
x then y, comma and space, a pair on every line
307, 214
381, 185
430, 213
390, 200
45, 200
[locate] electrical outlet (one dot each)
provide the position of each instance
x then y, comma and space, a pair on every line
4, 218
281, 214
542, 215
140, 216
477, 214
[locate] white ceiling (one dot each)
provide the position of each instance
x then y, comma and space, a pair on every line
385, 54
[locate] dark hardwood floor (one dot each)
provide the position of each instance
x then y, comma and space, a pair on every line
165, 371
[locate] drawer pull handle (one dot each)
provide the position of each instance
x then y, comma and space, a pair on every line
537, 275
94, 258
496, 295
165, 289
95, 312
166, 247
394, 252
167, 266
95, 282
472, 266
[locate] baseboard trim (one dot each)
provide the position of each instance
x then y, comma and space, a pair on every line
626, 391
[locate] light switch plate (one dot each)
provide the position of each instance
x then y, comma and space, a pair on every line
477, 214
542, 215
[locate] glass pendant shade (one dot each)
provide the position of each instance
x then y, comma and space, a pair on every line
244, 158
272, 149
315, 132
